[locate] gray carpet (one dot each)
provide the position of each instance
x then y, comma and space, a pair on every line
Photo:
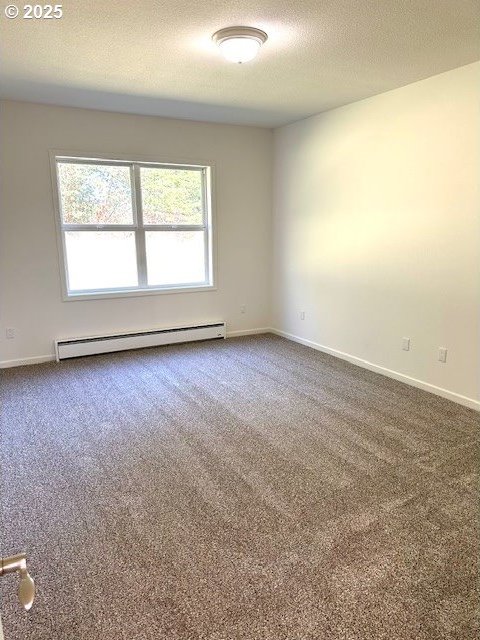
242, 489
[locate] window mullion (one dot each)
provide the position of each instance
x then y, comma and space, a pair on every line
140, 230
98, 227
176, 227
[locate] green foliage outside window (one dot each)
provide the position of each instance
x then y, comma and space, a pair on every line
171, 196
102, 194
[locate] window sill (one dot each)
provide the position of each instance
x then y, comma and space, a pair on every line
135, 293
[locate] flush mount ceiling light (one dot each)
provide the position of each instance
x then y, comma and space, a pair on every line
239, 44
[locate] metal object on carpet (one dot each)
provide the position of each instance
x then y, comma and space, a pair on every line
26, 588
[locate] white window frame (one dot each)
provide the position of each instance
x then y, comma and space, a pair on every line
135, 163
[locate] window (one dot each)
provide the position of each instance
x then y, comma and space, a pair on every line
133, 227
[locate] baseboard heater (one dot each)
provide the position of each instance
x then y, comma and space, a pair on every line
75, 347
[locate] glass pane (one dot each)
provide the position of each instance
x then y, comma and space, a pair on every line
171, 196
101, 259
175, 257
95, 193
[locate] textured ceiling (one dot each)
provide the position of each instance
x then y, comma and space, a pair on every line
156, 56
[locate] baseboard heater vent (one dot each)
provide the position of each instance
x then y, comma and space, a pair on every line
75, 347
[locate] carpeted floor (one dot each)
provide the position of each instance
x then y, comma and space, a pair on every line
242, 489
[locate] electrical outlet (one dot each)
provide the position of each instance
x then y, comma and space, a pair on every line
10, 333
302, 315
442, 354
406, 344
243, 308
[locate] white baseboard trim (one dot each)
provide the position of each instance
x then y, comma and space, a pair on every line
20, 362
248, 332
420, 384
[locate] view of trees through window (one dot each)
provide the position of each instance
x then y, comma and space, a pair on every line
95, 193
171, 196
107, 247
102, 194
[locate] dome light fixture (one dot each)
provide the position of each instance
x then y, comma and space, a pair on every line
239, 44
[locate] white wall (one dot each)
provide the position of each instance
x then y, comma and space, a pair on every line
376, 230
31, 300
